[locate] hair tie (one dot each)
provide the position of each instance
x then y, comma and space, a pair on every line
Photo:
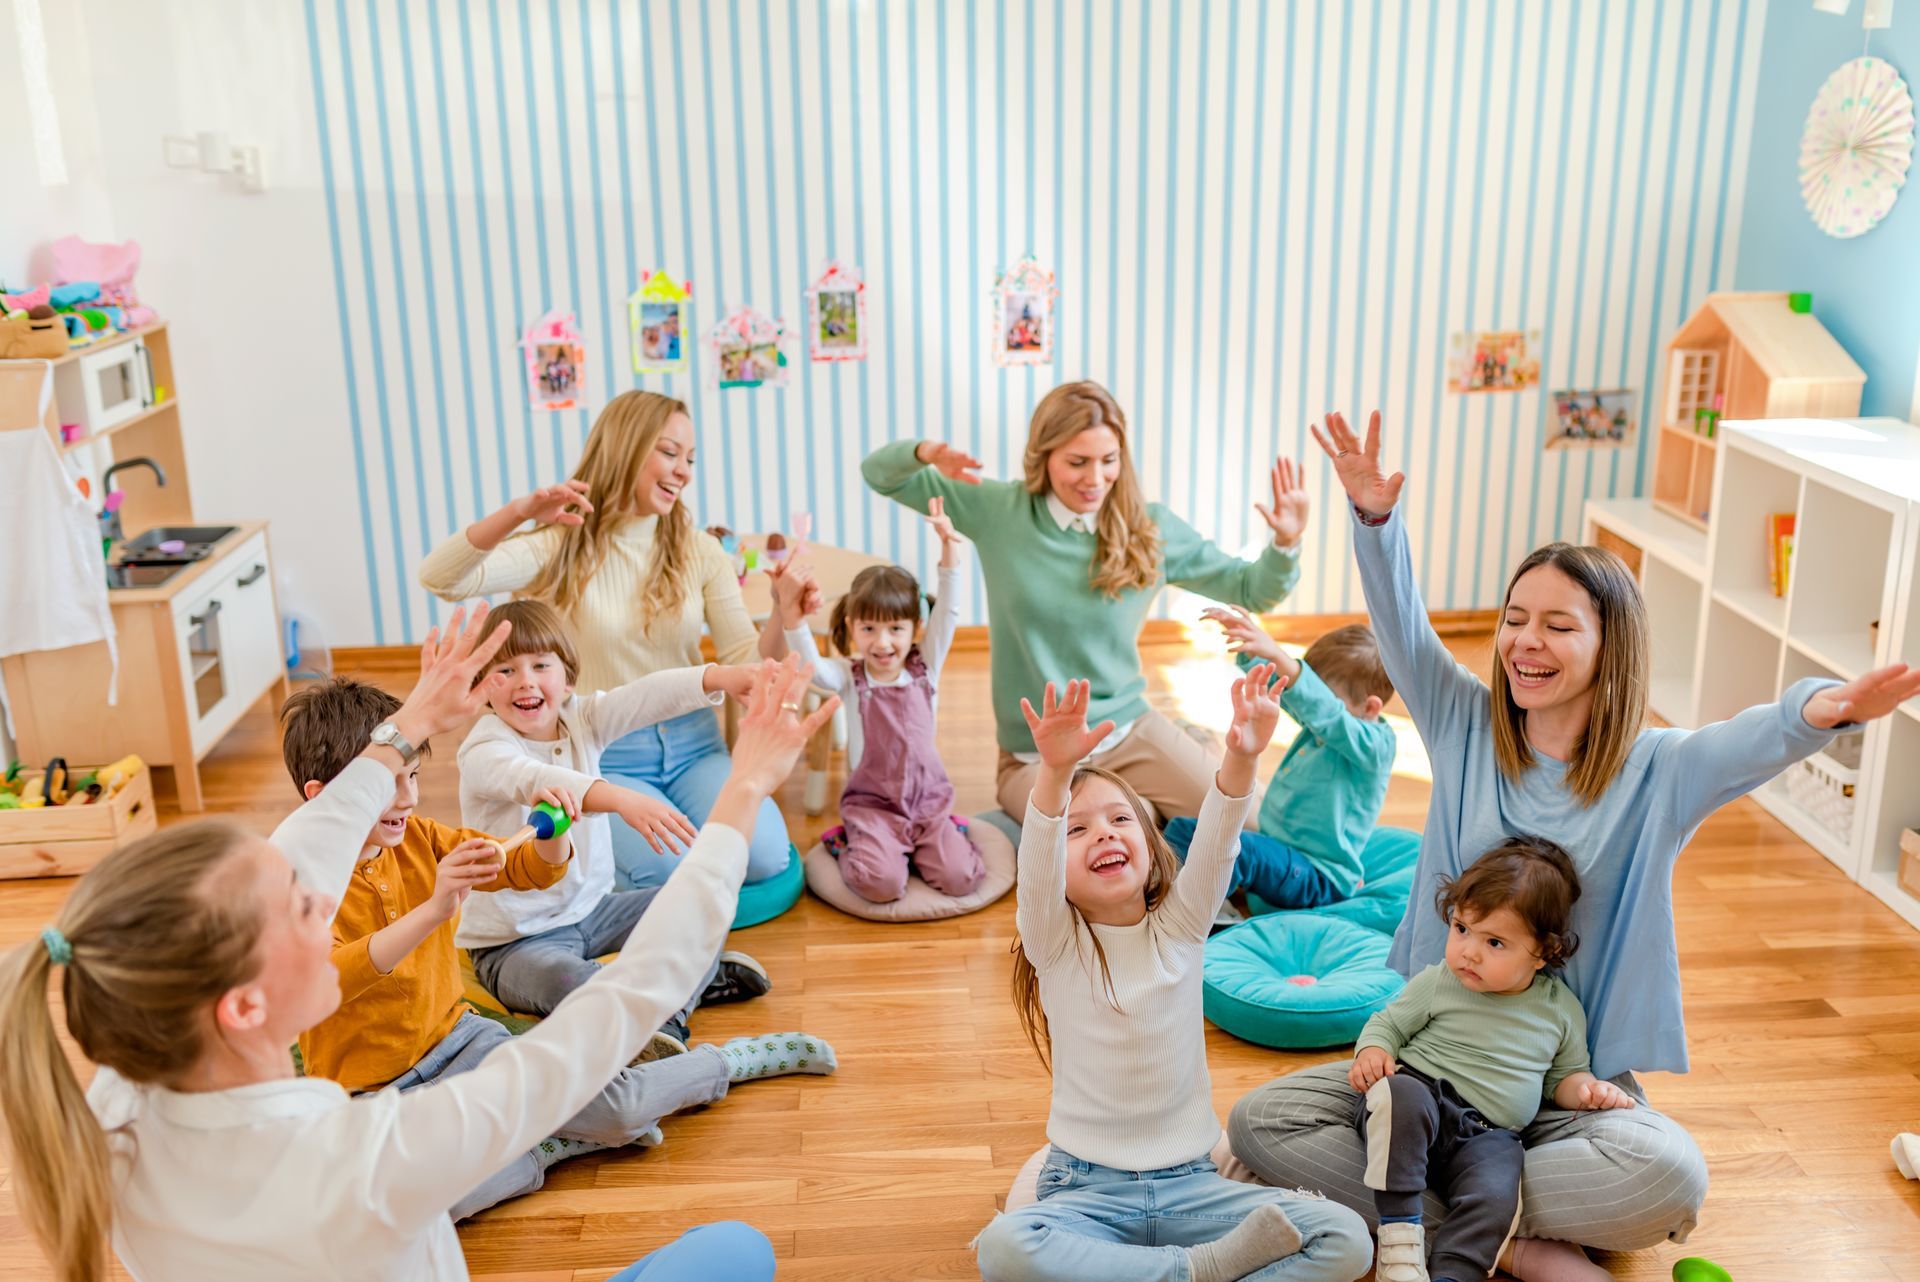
57, 946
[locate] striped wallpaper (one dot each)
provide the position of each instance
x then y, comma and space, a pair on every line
1257, 212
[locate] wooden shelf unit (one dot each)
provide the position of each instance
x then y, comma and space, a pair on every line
1722, 642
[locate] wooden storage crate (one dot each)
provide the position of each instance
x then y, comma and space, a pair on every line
1620, 546
65, 841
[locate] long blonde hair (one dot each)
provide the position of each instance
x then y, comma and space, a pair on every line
1126, 551
1162, 867
1619, 679
620, 444
153, 945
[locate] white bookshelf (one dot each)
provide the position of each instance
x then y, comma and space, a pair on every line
1722, 641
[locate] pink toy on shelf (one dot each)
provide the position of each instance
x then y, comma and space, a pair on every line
113, 266
38, 296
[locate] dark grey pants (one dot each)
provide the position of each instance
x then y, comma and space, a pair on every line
1420, 1133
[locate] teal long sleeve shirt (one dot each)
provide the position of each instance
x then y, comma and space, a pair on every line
1045, 621
1325, 798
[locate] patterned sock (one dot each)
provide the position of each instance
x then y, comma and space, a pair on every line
555, 1149
1257, 1241
1544, 1260
776, 1055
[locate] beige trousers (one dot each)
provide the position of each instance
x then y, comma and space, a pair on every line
1169, 768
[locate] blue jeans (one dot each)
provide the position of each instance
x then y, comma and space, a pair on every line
632, 1104
729, 1251
1097, 1222
1269, 867
532, 975
683, 762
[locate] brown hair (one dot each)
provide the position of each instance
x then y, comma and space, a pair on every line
1126, 551
1162, 867
1348, 659
880, 594
154, 943
1530, 875
622, 440
538, 628
324, 726
1619, 681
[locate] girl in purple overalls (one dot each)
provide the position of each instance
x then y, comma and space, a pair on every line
897, 807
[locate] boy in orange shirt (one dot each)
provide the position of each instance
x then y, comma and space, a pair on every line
402, 1021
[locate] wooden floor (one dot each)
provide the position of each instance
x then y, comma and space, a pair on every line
1803, 1008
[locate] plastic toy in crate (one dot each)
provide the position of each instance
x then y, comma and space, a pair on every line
1823, 784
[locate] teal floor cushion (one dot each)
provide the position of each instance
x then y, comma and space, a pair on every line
1297, 980
764, 900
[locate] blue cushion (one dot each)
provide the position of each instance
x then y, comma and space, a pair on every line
1387, 868
764, 900
1005, 823
1297, 980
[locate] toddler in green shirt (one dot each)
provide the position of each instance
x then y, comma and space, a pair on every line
1459, 1063
1322, 803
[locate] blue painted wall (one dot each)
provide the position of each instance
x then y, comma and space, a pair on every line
1864, 289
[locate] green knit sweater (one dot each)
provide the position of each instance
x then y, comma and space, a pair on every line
1045, 621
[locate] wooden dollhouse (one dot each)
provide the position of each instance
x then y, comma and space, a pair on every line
1742, 356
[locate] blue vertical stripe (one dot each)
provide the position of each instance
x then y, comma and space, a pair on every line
537, 183
1336, 226
974, 346
1715, 265
882, 306
1445, 321
1170, 308
1229, 163
492, 340
800, 166
609, 384
917, 211
796, 332
1634, 242
1549, 377
340, 306
1280, 245
723, 303
860, 254
457, 270
517, 383
370, 295
1329, 502
626, 378
1256, 224
757, 517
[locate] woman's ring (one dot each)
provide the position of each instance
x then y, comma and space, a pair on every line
790, 707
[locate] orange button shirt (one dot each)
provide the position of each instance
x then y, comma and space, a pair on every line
387, 1023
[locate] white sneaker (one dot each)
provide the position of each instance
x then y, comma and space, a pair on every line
1906, 1154
1402, 1254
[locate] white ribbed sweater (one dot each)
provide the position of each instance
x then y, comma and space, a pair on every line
607, 631
1130, 1086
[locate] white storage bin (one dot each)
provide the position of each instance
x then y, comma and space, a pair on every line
1823, 784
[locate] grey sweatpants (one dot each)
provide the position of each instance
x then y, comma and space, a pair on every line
1420, 1135
1617, 1179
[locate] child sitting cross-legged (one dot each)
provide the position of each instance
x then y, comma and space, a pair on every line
1459, 1063
897, 807
532, 947
1323, 801
1107, 975
401, 1023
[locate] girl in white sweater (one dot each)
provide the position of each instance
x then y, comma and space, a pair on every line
1107, 978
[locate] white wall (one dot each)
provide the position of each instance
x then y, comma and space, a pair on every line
1257, 212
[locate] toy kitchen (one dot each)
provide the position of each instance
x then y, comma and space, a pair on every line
193, 617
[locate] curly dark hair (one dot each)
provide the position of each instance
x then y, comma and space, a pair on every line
1532, 876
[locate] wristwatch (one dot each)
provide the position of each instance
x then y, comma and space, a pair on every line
388, 735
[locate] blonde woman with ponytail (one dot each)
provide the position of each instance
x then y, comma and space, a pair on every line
190, 960
1073, 555
615, 550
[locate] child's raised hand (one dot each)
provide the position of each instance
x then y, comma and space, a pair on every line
1369, 1066
1244, 633
562, 504
1358, 465
665, 829
948, 461
796, 592
469, 864
940, 523
1287, 518
1256, 710
1599, 1094
1060, 733
732, 679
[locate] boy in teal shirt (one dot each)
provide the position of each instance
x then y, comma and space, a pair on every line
1323, 802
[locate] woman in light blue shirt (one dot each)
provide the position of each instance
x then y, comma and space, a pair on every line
1556, 749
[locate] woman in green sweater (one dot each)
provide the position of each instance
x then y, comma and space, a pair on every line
1073, 556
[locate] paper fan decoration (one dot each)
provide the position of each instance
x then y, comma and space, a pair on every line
1856, 146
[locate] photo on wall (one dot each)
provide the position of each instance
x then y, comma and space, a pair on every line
556, 362
749, 350
1591, 418
660, 325
837, 315
1023, 302
1494, 360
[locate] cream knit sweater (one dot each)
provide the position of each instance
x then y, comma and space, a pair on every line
615, 647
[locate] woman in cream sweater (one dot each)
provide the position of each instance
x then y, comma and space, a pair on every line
615, 550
